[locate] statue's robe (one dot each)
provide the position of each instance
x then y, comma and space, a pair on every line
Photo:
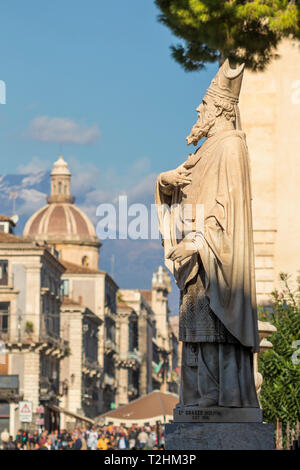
221, 187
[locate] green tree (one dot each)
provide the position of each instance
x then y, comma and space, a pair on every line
243, 31
280, 366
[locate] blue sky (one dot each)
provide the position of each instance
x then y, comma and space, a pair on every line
94, 80
102, 64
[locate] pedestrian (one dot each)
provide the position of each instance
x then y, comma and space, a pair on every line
77, 442
4, 438
83, 441
102, 442
92, 438
122, 443
11, 444
132, 436
43, 439
24, 439
142, 439
151, 440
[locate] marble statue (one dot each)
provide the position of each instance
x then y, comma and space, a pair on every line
212, 259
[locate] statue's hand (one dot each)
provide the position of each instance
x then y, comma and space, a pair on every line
178, 177
182, 251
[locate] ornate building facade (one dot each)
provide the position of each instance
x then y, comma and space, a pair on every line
148, 342
32, 348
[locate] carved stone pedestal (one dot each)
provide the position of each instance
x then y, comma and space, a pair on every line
219, 436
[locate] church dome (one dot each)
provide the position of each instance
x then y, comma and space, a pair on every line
60, 220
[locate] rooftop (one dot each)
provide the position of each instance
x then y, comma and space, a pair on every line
73, 268
147, 294
5, 218
11, 238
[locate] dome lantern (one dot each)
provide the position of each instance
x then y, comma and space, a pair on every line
60, 183
62, 224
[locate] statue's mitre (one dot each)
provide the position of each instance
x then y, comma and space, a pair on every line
227, 83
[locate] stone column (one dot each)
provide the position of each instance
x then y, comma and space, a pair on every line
122, 373
143, 349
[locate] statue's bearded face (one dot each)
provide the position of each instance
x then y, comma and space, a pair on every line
206, 119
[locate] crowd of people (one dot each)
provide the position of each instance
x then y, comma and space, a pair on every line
81, 438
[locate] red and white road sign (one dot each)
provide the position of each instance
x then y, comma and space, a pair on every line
25, 411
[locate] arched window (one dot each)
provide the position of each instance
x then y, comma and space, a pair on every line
85, 261
59, 187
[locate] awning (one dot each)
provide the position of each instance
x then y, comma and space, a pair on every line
70, 413
156, 406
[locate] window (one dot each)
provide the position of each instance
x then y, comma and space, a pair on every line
2, 227
4, 313
85, 261
133, 335
3, 272
65, 288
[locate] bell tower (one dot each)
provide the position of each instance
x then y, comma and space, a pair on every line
60, 183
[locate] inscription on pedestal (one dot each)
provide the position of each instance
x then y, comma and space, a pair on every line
194, 414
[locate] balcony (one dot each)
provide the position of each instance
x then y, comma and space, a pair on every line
49, 389
9, 388
134, 356
131, 359
109, 381
16, 337
51, 343
132, 391
110, 346
48, 342
90, 367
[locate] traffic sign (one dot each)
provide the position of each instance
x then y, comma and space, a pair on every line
25, 411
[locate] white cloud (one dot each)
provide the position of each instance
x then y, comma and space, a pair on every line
35, 165
32, 179
84, 175
62, 130
31, 201
90, 185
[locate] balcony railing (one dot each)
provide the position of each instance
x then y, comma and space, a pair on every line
134, 356
16, 336
49, 389
91, 366
109, 380
132, 391
47, 341
110, 346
